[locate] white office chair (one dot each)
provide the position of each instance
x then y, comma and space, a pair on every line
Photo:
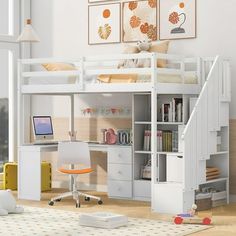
72, 153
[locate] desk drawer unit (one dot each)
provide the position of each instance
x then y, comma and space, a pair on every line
119, 172
122, 155
120, 189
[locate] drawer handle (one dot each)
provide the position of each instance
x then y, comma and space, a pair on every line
119, 172
119, 155
119, 188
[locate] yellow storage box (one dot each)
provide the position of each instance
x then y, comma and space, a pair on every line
10, 176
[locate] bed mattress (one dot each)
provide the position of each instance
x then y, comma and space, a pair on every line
135, 78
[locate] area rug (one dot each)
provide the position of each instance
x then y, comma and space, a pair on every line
49, 222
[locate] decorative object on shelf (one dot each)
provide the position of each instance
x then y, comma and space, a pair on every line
124, 137
177, 19
106, 111
110, 136
139, 20
89, 111
104, 23
146, 170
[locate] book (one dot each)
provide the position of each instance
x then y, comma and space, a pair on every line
165, 112
177, 105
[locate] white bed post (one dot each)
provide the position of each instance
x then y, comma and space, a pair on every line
20, 128
154, 123
81, 73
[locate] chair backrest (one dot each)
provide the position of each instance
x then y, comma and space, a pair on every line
73, 153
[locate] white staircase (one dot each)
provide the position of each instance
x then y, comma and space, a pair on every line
208, 120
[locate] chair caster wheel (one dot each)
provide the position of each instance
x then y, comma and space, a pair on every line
77, 205
87, 199
58, 200
51, 203
100, 202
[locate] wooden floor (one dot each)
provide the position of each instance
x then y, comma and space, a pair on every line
224, 218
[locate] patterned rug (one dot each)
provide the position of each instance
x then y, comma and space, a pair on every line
48, 222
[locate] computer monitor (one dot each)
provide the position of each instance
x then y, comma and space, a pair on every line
42, 128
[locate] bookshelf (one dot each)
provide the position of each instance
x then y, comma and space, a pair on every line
169, 176
166, 153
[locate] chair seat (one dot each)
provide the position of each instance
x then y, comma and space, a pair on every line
82, 171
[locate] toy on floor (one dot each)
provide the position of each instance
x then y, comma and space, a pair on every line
191, 218
8, 203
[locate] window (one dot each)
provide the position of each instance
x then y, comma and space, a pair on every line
9, 53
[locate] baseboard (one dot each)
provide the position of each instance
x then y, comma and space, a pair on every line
232, 198
82, 186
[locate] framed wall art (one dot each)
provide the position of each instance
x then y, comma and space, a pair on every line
104, 23
139, 20
177, 19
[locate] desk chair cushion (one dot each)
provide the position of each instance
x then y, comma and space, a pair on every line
74, 172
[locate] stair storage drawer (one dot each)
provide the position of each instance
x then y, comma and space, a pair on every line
121, 155
122, 189
119, 172
219, 195
174, 168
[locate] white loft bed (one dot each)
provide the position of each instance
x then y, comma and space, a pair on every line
209, 115
181, 75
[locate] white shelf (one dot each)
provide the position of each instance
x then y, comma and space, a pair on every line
171, 183
165, 153
158, 123
176, 153
170, 123
142, 180
219, 153
142, 152
142, 123
215, 180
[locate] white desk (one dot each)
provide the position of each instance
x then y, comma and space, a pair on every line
29, 169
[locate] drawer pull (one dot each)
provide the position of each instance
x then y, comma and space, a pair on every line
119, 172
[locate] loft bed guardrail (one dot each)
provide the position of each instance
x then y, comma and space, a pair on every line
104, 73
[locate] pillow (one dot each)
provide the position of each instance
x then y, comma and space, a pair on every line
58, 66
160, 48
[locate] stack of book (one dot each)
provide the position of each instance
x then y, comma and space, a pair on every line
167, 141
212, 173
172, 111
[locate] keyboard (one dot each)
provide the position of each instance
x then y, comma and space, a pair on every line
46, 143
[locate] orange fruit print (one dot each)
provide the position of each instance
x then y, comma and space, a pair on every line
181, 5
106, 13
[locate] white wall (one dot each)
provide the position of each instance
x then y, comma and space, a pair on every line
62, 27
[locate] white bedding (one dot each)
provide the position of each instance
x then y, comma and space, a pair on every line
163, 78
